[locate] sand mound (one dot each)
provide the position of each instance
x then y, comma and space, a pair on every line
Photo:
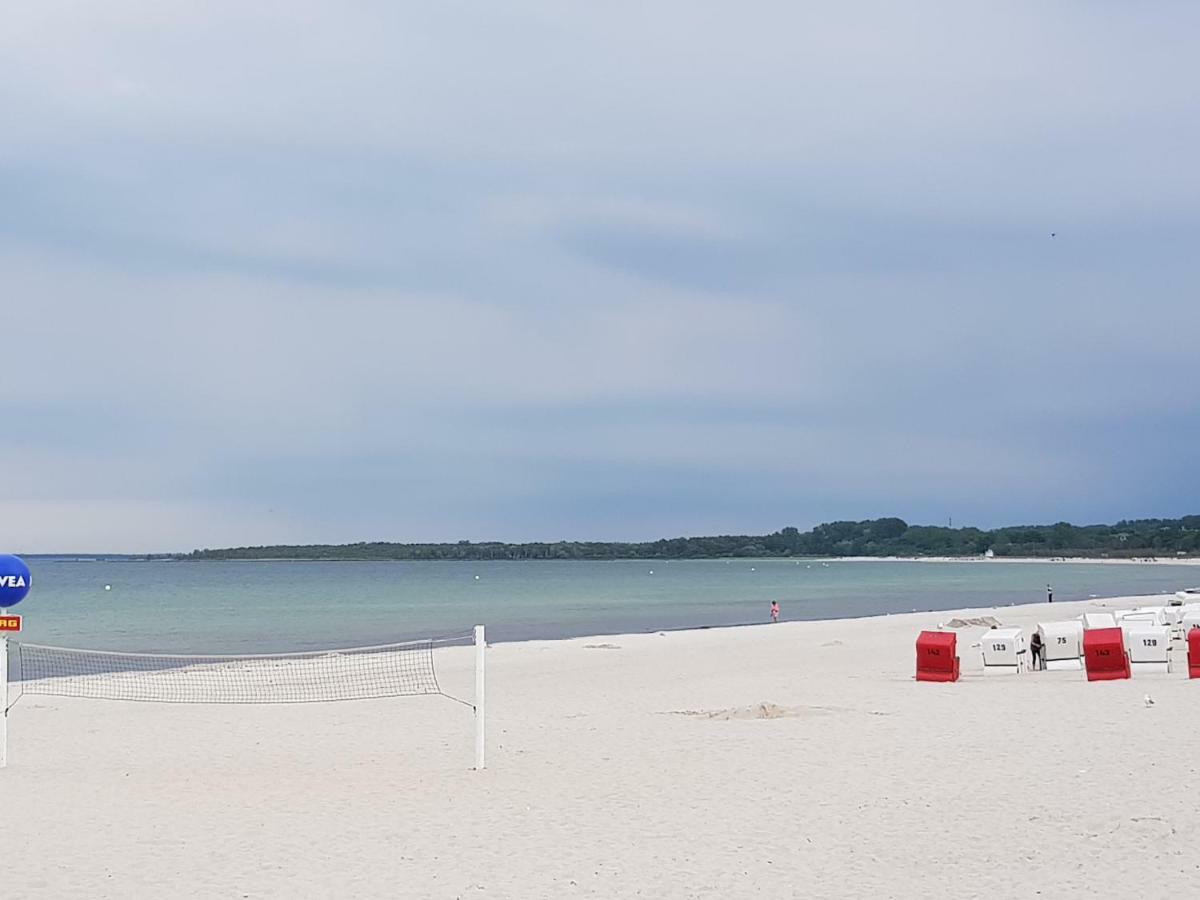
974, 621
762, 710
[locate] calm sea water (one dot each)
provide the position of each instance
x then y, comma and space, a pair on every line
244, 607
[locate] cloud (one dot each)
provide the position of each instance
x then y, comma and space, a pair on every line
310, 272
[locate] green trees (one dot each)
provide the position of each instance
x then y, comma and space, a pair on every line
873, 537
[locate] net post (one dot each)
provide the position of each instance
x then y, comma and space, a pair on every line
3, 699
480, 646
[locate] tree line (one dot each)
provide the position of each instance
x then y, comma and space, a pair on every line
874, 537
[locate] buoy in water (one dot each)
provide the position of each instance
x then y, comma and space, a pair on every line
108, 587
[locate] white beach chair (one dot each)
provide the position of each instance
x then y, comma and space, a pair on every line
1004, 651
1098, 620
1149, 648
1172, 615
1151, 615
1062, 645
1189, 618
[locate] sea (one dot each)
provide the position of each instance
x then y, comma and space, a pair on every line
267, 606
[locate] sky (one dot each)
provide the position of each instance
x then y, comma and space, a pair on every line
329, 272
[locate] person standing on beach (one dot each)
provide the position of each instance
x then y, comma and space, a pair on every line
1035, 649
1049, 594
774, 611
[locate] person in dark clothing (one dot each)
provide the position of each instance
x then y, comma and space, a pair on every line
1049, 594
1035, 649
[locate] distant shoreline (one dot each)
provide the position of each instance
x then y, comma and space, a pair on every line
1058, 560
1131, 541
1055, 560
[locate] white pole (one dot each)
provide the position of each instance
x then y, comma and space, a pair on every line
480, 646
3, 699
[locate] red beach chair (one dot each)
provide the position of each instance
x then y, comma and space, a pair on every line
1104, 654
937, 656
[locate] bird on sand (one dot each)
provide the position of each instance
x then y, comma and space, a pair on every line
1149, 700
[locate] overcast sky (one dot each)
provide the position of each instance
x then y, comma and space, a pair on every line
327, 272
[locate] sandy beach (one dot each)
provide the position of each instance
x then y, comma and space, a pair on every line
1074, 560
790, 760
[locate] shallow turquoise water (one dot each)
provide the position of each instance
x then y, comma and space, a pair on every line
227, 607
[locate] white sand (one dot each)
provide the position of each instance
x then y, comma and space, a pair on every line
1059, 560
629, 766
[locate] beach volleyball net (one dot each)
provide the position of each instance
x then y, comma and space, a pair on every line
356, 673
318, 676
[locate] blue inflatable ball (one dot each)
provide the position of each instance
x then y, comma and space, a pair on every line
15, 580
